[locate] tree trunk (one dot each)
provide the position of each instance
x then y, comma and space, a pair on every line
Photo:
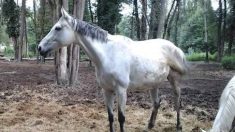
79, 6
36, 28
61, 54
91, 12
137, 19
41, 23
219, 43
231, 38
167, 19
143, 26
168, 33
205, 30
16, 47
22, 31
162, 17
26, 41
224, 24
1, 16
176, 21
132, 24
157, 16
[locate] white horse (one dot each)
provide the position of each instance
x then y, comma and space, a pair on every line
121, 63
226, 114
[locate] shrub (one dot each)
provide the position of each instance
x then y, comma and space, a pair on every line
228, 62
201, 57
9, 51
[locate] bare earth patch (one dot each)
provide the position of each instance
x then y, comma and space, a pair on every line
30, 101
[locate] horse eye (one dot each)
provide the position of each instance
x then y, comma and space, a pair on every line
57, 28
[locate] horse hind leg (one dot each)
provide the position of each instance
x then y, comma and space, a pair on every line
156, 104
122, 98
174, 78
109, 101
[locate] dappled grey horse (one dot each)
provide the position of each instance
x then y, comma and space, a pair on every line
121, 63
224, 120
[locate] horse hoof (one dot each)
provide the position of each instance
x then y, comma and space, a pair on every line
150, 126
179, 128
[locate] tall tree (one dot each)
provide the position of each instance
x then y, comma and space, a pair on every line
231, 26
90, 11
144, 18
22, 30
168, 19
178, 5
157, 16
205, 29
1, 16
220, 46
108, 10
78, 12
10, 13
61, 54
42, 12
136, 13
36, 32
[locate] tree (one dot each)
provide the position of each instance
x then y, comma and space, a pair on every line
231, 26
205, 31
178, 7
61, 54
22, 30
73, 62
136, 14
157, 15
220, 45
168, 19
10, 13
191, 38
91, 12
144, 19
108, 10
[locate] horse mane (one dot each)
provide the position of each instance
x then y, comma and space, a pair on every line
87, 29
226, 113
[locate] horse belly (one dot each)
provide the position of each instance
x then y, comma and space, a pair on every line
148, 76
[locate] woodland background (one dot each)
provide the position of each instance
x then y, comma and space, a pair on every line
204, 32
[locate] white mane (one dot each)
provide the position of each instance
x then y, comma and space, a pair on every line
226, 113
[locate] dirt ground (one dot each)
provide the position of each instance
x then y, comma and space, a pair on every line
30, 100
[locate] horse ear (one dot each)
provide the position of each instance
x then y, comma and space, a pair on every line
64, 13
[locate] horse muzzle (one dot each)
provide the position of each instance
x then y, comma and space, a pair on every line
43, 52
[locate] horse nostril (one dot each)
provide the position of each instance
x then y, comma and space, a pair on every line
39, 48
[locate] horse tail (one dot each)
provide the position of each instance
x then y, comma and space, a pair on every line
177, 60
226, 113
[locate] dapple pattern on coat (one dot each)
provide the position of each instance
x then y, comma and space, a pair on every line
122, 63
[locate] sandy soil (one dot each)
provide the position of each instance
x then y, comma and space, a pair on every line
30, 100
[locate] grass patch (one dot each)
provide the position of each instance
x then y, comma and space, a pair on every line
200, 57
228, 62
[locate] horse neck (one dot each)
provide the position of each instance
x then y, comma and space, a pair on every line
226, 113
93, 48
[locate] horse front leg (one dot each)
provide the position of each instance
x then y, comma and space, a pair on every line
109, 101
122, 97
156, 104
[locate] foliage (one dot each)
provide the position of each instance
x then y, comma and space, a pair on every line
228, 62
124, 27
10, 13
108, 14
200, 57
192, 27
3, 36
9, 51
